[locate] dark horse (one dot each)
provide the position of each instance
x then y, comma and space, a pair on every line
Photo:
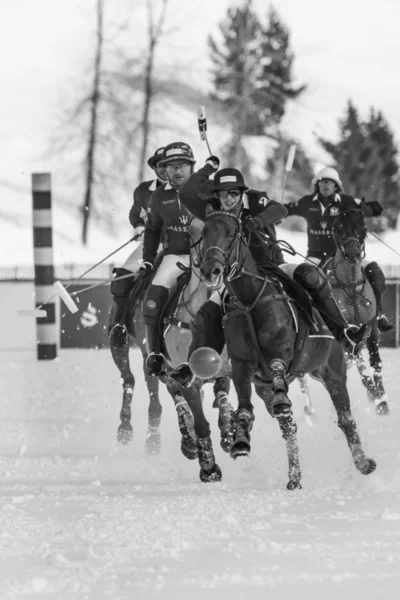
356, 298
194, 428
265, 346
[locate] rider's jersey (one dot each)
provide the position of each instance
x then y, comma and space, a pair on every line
166, 211
320, 214
196, 193
141, 198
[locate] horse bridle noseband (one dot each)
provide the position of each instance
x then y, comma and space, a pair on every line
234, 268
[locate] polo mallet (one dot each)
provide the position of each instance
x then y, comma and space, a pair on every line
288, 167
202, 121
61, 290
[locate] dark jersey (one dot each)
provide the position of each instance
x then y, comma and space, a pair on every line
165, 212
320, 214
141, 198
197, 192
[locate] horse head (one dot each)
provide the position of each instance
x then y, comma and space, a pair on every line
349, 232
221, 248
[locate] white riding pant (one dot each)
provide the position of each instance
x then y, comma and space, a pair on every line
168, 271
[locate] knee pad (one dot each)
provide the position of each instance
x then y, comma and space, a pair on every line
153, 303
375, 276
121, 288
310, 276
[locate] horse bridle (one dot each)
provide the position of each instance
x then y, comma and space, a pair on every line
234, 268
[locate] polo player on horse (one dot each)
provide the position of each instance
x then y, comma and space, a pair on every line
228, 192
320, 209
166, 212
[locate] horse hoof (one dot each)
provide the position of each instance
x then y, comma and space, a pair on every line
294, 485
282, 411
211, 476
153, 445
382, 408
226, 442
367, 466
240, 448
189, 450
124, 434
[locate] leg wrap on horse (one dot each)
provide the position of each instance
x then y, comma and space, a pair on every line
122, 287
377, 280
207, 328
317, 285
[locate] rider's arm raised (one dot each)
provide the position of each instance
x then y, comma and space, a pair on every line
152, 233
194, 193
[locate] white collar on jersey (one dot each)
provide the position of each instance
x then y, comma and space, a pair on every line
336, 198
153, 185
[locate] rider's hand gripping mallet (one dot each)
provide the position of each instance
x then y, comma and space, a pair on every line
202, 120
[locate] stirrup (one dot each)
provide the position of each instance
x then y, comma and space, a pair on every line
183, 375
156, 365
118, 334
384, 324
353, 346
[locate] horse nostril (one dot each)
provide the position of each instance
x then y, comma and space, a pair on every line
216, 271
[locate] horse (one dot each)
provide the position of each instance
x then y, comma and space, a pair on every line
177, 317
269, 343
356, 299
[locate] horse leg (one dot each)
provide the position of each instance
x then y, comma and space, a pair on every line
185, 420
288, 429
379, 394
281, 404
153, 436
334, 376
209, 469
119, 346
242, 373
225, 411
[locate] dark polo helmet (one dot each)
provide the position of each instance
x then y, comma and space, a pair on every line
157, 156
229, 179
178, 151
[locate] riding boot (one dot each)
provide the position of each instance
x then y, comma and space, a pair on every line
206, 331
376, 278
153, 304
319, 288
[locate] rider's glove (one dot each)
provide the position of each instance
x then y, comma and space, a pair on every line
213, 161
138, 231
146, 268
377, 208
250, 224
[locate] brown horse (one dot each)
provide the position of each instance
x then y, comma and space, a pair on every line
356, 299
266, 348
194, 428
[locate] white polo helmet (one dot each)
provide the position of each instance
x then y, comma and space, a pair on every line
328, 173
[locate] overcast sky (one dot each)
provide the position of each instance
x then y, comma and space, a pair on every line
343, 48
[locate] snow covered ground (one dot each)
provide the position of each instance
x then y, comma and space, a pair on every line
82, 518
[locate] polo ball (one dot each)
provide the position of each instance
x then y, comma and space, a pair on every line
205, 362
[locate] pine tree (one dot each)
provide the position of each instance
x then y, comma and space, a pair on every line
252, 71
365, 157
